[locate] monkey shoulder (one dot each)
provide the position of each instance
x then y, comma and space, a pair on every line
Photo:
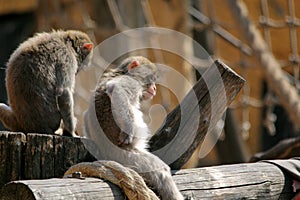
44, 48
125, 84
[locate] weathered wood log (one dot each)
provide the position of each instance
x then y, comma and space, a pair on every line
36, 156
239, 181
214, 91
11, 156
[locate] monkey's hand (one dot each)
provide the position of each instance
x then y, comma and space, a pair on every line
124, 139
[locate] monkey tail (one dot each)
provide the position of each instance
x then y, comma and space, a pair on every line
8, 118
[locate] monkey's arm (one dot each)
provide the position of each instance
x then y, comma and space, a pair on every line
65, 105
65, 79
122, 111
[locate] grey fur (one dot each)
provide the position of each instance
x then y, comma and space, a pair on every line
40, 80
111, 127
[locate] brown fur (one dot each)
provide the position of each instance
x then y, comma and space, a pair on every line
40, 80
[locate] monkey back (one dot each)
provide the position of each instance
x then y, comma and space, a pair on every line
34, 71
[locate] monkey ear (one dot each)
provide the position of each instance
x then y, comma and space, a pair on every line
133, 65
87, 46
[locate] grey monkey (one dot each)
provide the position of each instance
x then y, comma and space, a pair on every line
40, 80
115, 122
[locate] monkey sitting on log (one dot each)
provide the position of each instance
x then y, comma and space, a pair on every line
40, 79
119, 129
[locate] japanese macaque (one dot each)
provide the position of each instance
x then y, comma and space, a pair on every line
40, 79
115, 122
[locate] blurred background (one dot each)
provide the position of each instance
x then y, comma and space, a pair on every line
255, 121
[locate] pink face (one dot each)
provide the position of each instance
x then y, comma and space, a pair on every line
150, 92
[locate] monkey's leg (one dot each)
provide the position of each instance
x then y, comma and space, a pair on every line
161, 179
155, 172
8, 118
65, 104
164, 184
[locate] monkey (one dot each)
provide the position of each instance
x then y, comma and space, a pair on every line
115, 122
40, 79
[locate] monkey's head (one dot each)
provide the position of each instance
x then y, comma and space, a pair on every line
144, 71
82, 45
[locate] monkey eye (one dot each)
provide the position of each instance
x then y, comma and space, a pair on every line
151, 79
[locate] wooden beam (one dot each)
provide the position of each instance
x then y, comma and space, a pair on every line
215, 90
238, 181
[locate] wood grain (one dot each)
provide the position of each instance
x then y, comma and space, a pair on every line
239, 181
214, 92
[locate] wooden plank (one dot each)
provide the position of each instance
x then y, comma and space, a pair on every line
239, 181
11, 156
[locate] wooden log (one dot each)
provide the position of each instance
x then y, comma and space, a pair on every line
36, 156
238, 181
11, 156
218, 82
49, 156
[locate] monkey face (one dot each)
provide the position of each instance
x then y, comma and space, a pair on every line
146, 72
147, 76
149, 92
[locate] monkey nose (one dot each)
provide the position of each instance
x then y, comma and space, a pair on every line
154, 87
153, 90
